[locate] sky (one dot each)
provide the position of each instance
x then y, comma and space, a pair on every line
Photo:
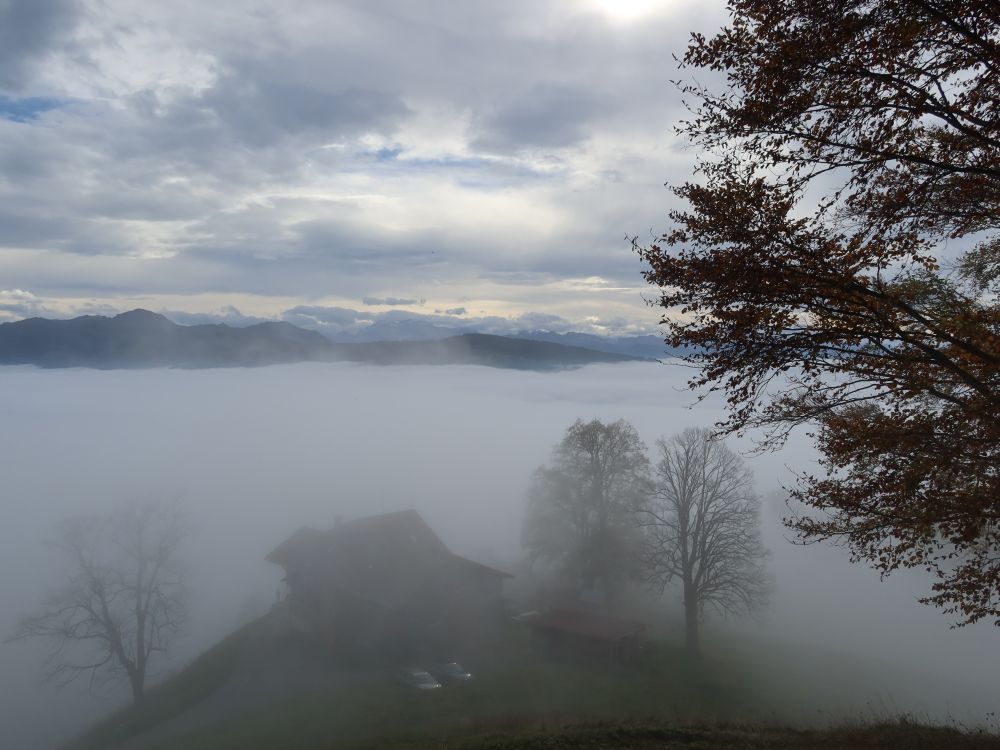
236, 160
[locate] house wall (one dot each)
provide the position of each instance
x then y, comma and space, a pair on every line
457, 608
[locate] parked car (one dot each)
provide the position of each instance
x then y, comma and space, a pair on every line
453, 672
418, 679
526, 616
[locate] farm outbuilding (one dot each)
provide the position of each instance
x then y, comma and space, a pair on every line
587, 632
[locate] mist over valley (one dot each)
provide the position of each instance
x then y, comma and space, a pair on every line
488, 375
254, 454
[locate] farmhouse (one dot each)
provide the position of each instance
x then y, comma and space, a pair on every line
388, 585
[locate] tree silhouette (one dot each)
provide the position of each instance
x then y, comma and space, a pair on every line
124, 600
702, 527
580, 511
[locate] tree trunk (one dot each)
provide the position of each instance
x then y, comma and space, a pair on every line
690, 620
138, 688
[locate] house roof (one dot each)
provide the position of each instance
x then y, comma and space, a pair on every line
585, 623
383, 559
301, 545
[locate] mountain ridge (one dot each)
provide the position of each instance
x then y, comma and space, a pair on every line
143, 339
647, 346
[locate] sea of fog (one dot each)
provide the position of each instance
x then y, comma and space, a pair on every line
256, 453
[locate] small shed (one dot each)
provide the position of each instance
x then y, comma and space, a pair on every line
586, 632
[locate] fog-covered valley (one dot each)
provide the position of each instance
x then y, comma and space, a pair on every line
330, 415
253, 454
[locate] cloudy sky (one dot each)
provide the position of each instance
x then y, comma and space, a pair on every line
241, 159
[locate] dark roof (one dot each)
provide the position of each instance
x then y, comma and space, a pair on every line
299, 546
585, 623
383, 559
404, 527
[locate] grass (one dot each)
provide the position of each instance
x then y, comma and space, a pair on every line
648, 735
513, 688
190, 686
517, 700
553, 733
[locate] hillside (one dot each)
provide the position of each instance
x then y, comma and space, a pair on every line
653, 735
264, 689
141, 338
479, 349
644, 347
144, 339
414, 329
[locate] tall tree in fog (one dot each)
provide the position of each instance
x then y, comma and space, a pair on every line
124, 599
844, 153
702, 528
580, 512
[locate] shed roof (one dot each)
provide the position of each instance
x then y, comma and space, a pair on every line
586, 624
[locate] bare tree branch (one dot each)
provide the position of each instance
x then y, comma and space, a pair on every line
123, 601
701, 526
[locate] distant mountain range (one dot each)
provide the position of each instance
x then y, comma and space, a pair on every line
643, 347
144, 339
413, 329
478, 349
141, 338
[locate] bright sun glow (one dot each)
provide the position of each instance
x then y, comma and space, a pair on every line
629, 10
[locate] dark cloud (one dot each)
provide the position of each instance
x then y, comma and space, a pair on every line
34, 224
546, 116
356, 248
266, 101
28, 31
393, 301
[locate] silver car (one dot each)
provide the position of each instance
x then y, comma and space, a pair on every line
417, 678
453, 672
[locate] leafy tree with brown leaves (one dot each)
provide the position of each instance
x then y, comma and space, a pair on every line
838, 264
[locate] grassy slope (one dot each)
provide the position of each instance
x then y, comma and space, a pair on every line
517, 688
176, 695
517, 701
660, 736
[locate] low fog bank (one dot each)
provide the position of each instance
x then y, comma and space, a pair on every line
254, 454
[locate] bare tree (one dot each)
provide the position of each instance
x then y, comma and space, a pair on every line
702, 527
124, 600
580, 512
